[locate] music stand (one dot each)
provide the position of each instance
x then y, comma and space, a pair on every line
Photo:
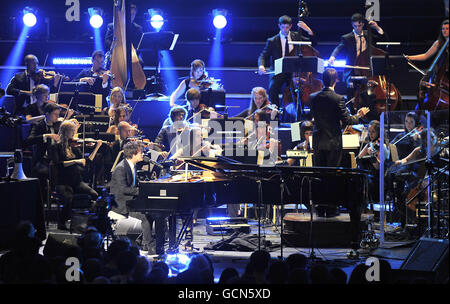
211, 98
94, 101
156, 42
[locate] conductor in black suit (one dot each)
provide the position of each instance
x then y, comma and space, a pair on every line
277, 47
355, 42
330, 116
22, 84
124, 186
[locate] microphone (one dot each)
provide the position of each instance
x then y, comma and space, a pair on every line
148, 160
369, 5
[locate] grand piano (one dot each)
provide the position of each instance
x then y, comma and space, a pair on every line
221, 181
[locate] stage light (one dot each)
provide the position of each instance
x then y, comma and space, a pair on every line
156, 18
336, 63
219, 18
96, 19
29, 16
72, 61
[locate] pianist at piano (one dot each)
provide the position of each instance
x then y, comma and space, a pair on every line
124, 186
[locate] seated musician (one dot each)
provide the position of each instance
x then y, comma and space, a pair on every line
124, 186
120, 114
421, 151
42, 135
259, 100
116, 100
22, 84
306, 131
97, 77
69, 160
169, 136
369, 159
371, 150
409, 139
197, 79
124, 129
40, 93
35, 110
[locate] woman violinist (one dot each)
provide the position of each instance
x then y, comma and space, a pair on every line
121, 114
116, 99
68, 160
372, 148
198, 79
259, 101
409, 139
41, 93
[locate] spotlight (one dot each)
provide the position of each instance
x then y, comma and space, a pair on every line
219, 18
29, 16
96, 19
156, 18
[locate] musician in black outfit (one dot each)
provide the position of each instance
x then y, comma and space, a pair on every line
67, 160
277, 47
124, 186
170, 135
97, 77
22, 84
329, 112
353, 44
136, 30
42, 135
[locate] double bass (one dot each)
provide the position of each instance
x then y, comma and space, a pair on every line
305, 83
433, 89
376, 85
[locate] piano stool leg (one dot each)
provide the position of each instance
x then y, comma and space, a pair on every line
245, 210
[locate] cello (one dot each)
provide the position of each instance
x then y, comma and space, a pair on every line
433, 88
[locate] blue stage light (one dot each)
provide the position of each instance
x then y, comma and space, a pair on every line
336, 63
96, 19
29, 16
72, 61
156, 18
220, 20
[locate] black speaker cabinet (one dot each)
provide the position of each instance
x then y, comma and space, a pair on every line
428, 259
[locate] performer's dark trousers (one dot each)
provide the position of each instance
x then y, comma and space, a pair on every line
276, 84
332, 158
67, 193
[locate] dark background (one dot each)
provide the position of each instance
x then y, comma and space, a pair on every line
251, 21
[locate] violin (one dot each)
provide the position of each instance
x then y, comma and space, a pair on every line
47, 75
104, 72
207, 112
146, 142
205, 82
